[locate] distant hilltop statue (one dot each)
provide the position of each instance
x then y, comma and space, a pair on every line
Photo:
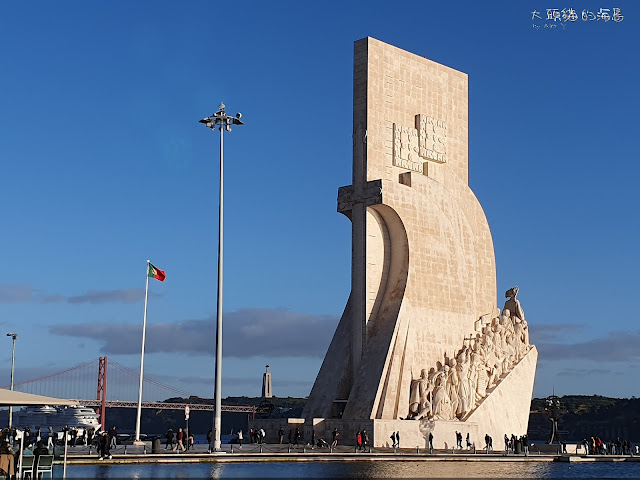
267, 392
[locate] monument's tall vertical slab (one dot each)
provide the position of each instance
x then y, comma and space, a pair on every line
421, 328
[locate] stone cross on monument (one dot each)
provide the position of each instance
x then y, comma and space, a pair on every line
353, 201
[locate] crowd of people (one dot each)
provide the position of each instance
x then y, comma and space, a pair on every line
595, 446
30, 449
294, 437
514, 444
180, 441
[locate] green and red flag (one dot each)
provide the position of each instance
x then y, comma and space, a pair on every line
156, 273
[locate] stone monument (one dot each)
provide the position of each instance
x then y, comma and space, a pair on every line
267, 392
421, 347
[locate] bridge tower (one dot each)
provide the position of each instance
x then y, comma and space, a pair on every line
102, 388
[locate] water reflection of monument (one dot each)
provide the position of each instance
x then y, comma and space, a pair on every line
421, 345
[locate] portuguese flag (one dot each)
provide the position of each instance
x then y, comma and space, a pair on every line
156, 273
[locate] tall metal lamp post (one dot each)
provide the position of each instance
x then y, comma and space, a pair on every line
223, 122
13, 358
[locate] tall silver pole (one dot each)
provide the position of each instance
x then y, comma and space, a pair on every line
13, 359
217, 421
144, 334
223, 121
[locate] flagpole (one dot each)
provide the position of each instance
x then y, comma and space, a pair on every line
144, 332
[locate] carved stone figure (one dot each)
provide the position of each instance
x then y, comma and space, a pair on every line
420, 399
452, 387
483, 379
441, 403
520, 344
455, 387
513, 304
462, 370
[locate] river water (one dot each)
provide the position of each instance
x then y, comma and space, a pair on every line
357, 469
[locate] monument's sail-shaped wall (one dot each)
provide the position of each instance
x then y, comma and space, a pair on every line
423, 271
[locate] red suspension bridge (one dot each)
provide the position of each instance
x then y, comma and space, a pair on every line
77, 383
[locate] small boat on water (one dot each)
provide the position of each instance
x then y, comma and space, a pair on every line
56, 417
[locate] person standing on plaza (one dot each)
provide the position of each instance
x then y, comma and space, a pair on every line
334, 436
240, 438
179, 439
104, 445
525, 444
280, 434
113, 435
51, 438
169, 442
65, 434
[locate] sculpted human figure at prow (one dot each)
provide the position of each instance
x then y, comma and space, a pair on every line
513, 304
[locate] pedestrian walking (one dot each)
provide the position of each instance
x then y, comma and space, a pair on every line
169, 442
113, 435
105, 446
334, 436
179, 440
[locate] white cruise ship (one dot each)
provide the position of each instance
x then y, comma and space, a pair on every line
56, 418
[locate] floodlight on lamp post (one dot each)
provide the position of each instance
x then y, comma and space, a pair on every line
13, 358
223, 122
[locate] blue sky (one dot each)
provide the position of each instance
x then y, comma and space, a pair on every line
104, 165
